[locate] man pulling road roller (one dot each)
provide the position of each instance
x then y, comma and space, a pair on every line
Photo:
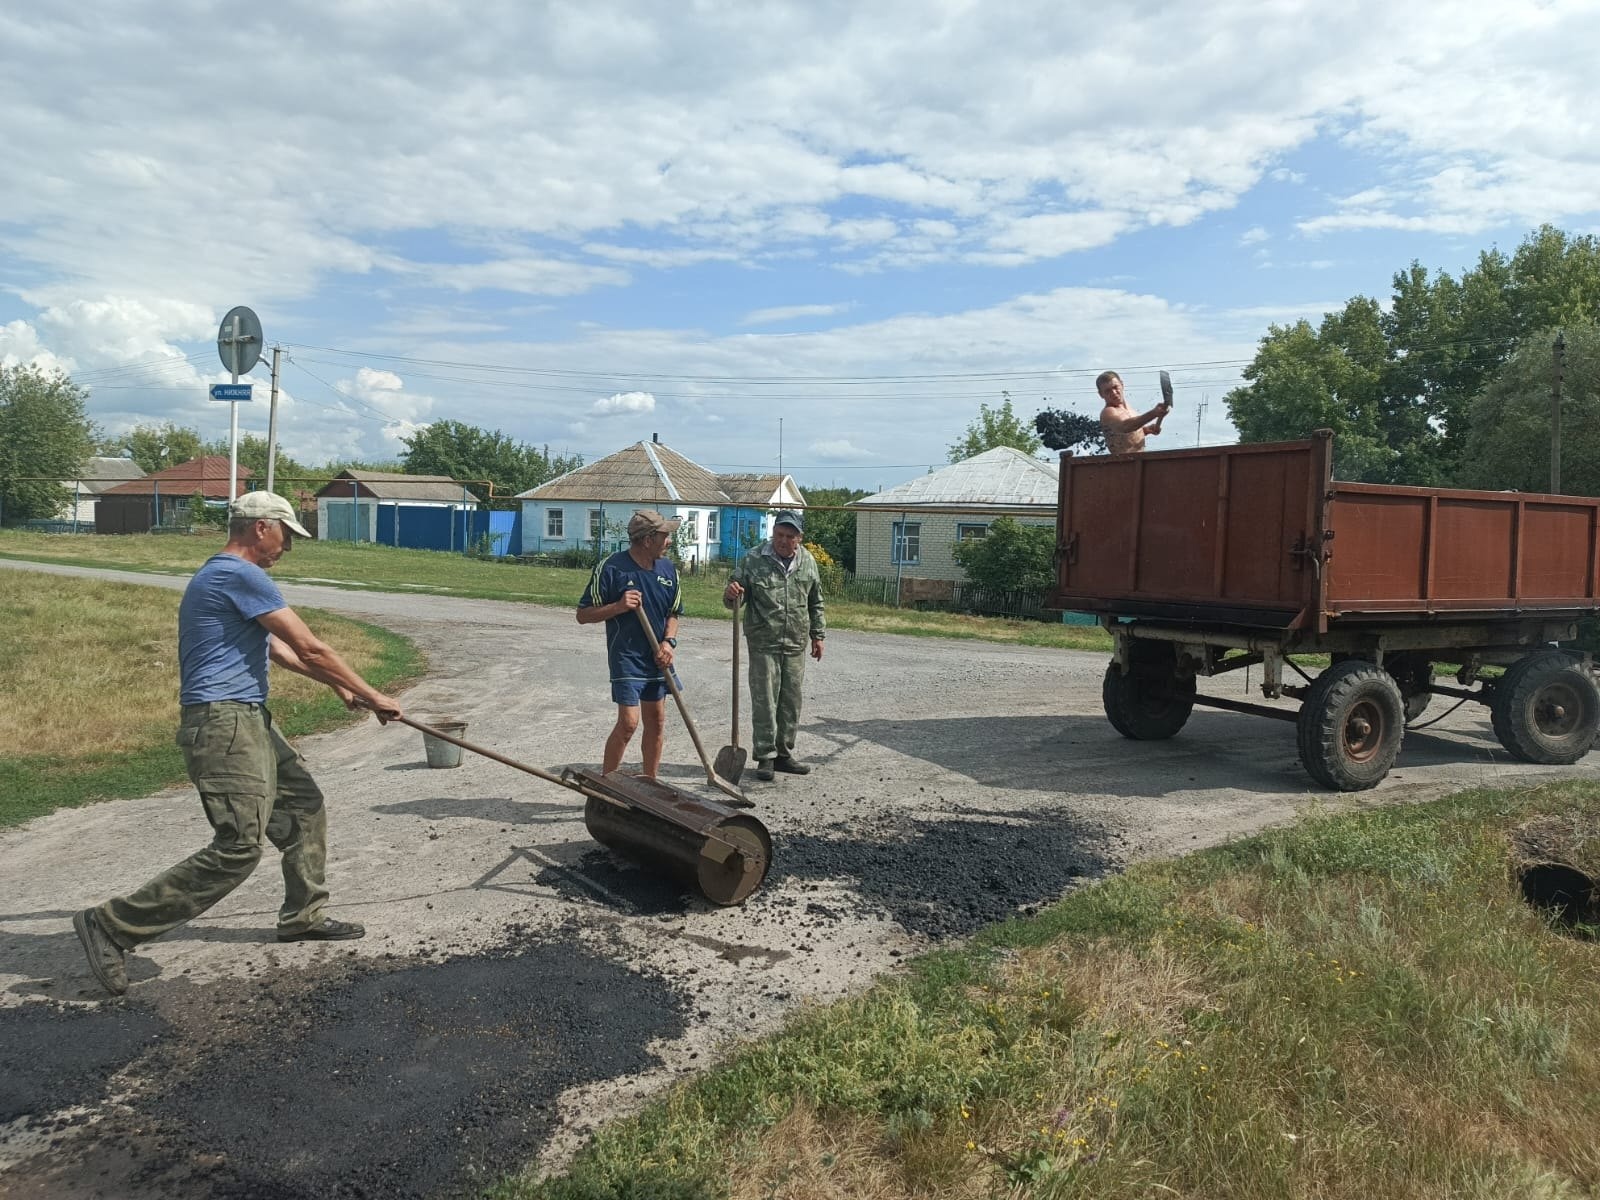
253, 784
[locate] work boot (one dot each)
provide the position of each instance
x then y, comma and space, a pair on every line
327, 930
106, 958
791, 766
764, 769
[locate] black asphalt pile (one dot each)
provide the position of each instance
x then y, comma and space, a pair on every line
950, 877
420, 1080
54, 1057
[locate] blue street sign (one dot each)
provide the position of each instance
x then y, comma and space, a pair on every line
230, 391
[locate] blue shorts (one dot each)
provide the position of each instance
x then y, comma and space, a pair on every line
629, 692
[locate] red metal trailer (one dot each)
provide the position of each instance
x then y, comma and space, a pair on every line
1212, 560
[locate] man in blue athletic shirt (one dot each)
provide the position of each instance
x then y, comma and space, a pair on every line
640, 577
252, 783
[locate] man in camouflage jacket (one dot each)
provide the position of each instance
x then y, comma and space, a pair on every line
782, 590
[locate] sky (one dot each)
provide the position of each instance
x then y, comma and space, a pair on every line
815, 236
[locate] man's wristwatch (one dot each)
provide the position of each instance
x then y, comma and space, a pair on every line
673, 642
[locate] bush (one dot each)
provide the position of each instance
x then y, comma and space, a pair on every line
830, 572
1013, 556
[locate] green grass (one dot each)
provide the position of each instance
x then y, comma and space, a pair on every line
1357, 1007
88, 689
367, 566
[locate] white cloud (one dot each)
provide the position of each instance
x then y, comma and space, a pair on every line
791, 312
840, 450
1253, 235
625, 402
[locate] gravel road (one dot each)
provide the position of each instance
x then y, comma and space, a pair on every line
517, 984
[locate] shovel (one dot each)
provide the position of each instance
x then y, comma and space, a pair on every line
731, 759
715, 780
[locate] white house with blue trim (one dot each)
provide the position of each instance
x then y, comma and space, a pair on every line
589, 507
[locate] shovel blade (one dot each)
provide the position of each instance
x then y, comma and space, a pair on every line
730, 763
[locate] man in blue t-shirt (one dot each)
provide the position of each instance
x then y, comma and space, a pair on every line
639, 578
252, 783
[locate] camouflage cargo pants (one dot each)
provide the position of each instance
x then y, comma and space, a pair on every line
776, 681
252, 784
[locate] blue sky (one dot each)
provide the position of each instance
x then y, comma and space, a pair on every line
583, 224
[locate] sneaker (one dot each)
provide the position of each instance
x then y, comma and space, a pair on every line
106, 958
328, 930
764, 769
791, 766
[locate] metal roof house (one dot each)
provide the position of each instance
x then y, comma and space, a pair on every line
161, 499
908, 531
590, 507
422, 512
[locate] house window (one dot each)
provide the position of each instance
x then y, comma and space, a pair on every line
712, 527
970, 533
597, 526
554, 523
907, 547
690, 527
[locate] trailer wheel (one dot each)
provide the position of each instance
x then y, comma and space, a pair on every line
1151, 701
1350, 726
1546, 708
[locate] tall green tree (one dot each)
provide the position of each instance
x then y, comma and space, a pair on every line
996, 427
466, 452
835, 532
1508, 444
288, 475
44, 439
1401, 404
1012, 555
157, 447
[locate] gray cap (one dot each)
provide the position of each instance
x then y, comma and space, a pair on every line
788, 516
267, 506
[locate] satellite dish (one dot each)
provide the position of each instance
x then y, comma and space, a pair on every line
239, 340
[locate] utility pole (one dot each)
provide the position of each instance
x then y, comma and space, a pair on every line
1199, 415
272, 421
780, 445
1560, 349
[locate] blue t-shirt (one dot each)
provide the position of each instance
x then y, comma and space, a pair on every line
222, 649
627, 649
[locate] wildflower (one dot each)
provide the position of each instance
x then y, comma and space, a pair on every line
972, 1145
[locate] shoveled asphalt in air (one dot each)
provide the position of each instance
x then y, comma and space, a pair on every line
434, 1078
405, 1080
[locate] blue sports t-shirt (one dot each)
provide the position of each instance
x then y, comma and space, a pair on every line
222, 650
627, 649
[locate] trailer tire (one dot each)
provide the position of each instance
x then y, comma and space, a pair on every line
1546, 708
1151, 701
1350, 726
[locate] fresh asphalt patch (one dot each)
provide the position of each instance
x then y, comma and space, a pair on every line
949, 877
403, 1080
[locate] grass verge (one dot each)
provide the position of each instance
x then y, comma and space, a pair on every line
1359, 1007
366, 566
89, 685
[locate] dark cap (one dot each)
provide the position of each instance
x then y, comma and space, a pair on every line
647, 521
788, 516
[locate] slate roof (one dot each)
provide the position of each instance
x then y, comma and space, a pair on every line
644, 473
207, 475
1003, 477
396, 486
756, 490
100, 474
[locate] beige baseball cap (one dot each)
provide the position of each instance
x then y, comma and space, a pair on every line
267, 506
